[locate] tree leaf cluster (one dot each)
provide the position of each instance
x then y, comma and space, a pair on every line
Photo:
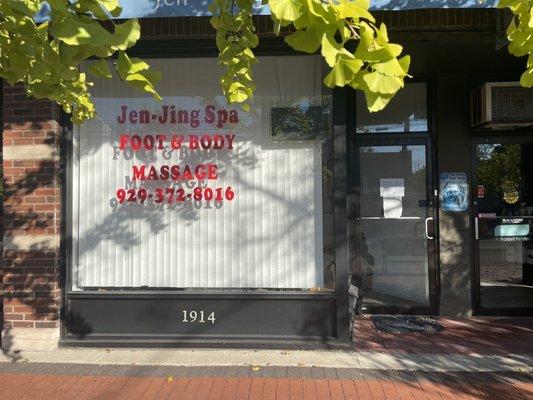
520, 34
44, 54
236, 39
357, 51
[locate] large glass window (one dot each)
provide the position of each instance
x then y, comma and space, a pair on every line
406, 112
193, 193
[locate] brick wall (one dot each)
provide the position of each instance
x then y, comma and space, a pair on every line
423, 20
31, 219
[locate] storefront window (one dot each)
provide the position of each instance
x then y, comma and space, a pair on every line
193, 193
406, 113
504, 224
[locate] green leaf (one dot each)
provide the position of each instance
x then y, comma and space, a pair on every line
354, 9
405, 62
506, 3
277, 28
145, 82
238, 97
123, 65
318, 9
335, 77
331, 49
26, 8
75, 33
286, 10
100, 68
379, 83
94, 7
376, 101
526, 79
390, 67
342, 73
113, 6
137, 65
308, 40
127, 34
137, 74
358, 81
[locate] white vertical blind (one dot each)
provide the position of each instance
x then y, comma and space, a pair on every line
269, 236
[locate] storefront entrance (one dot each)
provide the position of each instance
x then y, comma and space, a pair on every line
395, 230
396, 227
503, 222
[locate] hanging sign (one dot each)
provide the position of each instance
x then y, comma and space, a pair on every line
453, 191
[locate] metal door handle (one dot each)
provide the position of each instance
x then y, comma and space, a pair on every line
427, 230
476, 227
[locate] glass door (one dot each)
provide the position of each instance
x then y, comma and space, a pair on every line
503, 222
395, 226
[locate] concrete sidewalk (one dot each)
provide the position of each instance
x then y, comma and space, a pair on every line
473, 345
294, 358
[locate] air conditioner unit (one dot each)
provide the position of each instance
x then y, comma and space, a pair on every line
501, 105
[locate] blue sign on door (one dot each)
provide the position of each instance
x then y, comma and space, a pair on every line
453, 191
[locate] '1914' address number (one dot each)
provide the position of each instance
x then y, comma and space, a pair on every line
191, 316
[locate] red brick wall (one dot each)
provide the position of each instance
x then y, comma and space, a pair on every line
31, 218
429, 20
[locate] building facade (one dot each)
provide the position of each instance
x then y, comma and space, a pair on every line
194, 222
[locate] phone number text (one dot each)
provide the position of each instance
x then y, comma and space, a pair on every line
171, 195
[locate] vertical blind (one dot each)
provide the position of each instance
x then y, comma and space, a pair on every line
268, 236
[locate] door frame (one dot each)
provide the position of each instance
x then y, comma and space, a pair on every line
427, 138
432, 211
478, 310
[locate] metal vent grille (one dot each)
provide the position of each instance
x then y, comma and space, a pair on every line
512, 104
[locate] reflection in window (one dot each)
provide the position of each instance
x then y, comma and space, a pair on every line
503, 194
499, 174
407, 112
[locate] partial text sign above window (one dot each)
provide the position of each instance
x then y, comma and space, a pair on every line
198, 8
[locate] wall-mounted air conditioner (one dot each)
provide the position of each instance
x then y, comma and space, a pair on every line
501, 105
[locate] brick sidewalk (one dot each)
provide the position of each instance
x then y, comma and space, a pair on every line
499, 336
100, 381
30, 382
